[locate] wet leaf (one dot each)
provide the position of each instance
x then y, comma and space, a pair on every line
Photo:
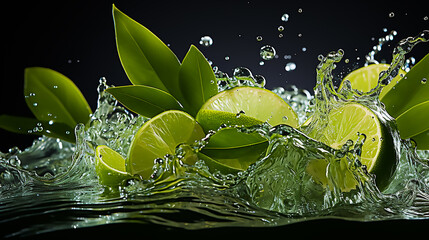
51, 96
24, 125
144, 100
410, 91
144, 57
196, 80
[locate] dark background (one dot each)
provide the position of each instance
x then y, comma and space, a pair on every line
77, 39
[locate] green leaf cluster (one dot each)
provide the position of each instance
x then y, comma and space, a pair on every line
408, 103
159, 81
56, 103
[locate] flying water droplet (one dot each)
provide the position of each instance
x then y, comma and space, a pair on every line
281, 28
290, 66
267, 52
285, 17
259, 38
423, 81
206, 41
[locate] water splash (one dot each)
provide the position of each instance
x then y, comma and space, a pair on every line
59, 177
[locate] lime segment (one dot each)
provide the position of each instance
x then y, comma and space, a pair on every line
110, 166
246, 106
378, 152
366, 78
158, 137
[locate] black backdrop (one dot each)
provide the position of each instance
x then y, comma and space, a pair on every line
76, 38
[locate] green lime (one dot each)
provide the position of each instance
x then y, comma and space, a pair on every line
378, 153
158, 137
110, 166
245, 106
366, 78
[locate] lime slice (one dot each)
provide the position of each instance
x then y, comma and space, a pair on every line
378, 153
110, 166
245, 106
158, 137
366, 78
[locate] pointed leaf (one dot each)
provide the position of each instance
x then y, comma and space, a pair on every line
23, 125
410, 91
235, 149
144, 57
52, 96
144, 100
197, 80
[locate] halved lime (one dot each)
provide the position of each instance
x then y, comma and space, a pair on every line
378, 153
366, 78
245, 106
110, 166
158, 137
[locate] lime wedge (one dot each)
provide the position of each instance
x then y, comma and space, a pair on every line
110, 166
366, 78
158, 137
378, 153
245, 106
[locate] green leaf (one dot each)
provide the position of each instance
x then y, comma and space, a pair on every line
414, 121
24, 125
422, 140
410, 90
144, 100
144, 57
52, 96
197, 80
235, 149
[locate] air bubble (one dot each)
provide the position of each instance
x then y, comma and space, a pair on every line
267, 52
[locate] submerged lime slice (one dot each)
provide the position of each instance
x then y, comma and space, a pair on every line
378, 153
110, 166
242, 106
158, 137
245, 106
366, 78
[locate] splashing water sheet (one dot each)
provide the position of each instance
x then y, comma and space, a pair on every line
52, 185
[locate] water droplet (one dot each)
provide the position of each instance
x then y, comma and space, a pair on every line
285, 17
206, 41
55, 86
287, 57
67, 132
425, 18
32, 94
35, 104
299, 34
280, 28
50, 122
226, 58
285, 118
259, 38
290, 66
391, 14
261, 63
280, 35
424, 80
346, 60
384, 29
239, 114
260, 80
267, 52
300, 10
304, 49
